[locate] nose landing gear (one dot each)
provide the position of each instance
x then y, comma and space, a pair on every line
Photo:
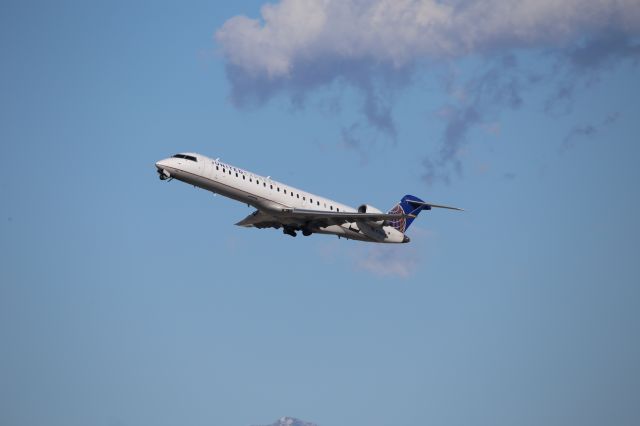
164, 175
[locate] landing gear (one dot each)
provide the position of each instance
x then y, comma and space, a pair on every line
289, 231
164, 175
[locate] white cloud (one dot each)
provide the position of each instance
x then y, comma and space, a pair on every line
377, 46
381, 260
399, 32
270, 47
389, 261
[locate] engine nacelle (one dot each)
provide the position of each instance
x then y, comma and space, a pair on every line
366, 208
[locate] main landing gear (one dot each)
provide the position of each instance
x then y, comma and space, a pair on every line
292, 231
289, 231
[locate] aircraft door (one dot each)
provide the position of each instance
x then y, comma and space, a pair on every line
212, 170
206, 169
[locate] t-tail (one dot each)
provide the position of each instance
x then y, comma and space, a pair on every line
411, 206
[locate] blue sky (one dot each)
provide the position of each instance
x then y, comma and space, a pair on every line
129, 301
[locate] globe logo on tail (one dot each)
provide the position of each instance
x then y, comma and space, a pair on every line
401, 223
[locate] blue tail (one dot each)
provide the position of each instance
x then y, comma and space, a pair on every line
411, 206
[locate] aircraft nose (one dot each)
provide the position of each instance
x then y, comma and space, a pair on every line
406, 239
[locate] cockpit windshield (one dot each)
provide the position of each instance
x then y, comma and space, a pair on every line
186, 157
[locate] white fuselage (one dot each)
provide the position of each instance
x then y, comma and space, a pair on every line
267, 195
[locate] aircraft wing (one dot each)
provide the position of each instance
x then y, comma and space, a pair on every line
314, 218
259, 219
338, 218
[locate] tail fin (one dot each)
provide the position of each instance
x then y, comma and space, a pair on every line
405, 207
411, 206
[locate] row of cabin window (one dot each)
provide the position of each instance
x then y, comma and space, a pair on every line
264, 184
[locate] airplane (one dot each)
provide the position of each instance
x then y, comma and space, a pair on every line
282, 206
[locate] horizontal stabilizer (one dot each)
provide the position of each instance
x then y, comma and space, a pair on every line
437, 206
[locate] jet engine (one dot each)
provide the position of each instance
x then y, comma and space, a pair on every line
366, 208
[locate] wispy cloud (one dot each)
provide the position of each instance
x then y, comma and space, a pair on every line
378, 47
586, 131
381, 260
352, 142
580, 65
389, 261
475, 101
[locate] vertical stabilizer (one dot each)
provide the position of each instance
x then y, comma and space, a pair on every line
411, 206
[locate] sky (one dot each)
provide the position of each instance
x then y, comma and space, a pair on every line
125, 300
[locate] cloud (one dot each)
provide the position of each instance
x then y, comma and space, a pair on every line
381, 260
583, 63
395, 260
294, 34
377, 47
352, 142
602, 51
389, 261
587, 131
499, 85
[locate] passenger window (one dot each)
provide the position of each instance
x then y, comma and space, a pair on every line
297, 195
236, 174
311, 200
292, 194
285, 191
229, 171
270, 186
318, 202
217, 168
257, 182
244, 177
337, 209
331, 207
278, 189
304, 198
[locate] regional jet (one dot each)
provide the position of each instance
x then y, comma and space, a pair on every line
282, 206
